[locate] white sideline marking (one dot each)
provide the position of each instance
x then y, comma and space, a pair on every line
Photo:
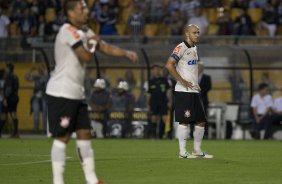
28, 163
27, 155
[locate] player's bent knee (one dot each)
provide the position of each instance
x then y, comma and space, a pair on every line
64, 139
83, 134
200, 124
184, 123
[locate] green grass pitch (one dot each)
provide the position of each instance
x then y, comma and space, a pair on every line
27, 161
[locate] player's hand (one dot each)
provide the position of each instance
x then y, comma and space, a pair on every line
197, 87
258, 119
187, 84
132, 56
91, 44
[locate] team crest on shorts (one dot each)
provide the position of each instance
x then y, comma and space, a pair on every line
65, 121
187, 113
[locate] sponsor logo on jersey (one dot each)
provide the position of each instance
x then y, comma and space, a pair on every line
192, 62
177, 49
74, 32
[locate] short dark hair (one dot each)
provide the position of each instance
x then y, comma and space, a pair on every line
262, 86
69, 5
10, 66
156, 66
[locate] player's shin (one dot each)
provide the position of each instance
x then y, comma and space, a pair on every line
58, 156
86, 156
182, 132
198, 137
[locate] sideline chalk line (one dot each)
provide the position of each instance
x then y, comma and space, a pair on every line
28, 163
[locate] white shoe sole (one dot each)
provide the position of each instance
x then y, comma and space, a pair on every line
206, 156
187, 157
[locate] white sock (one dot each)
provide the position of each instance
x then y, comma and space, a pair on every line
198, 137
182, 132
58, 157
86, 156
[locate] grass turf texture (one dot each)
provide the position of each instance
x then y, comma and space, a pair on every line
25, 161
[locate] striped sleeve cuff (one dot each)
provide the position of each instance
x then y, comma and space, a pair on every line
175, 57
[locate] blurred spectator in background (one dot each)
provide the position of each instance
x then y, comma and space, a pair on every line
18, 5
130, 79
4, 29
4, 25
27, 26
159, 101
39, 77
44, 4
173, 5
100, 103
156, 11
123, 101
34, 9
276, 118
224, 23
103, 75
60, 20
107, 21
11, 97
265, 79
279, 11
211, 3
261, 106
135, 23
257, 3
96, 10
50, 29
243, 4
269, 19
153, 11
199, 19
187, 8
175, 22
41, 26
243, 24
113, 7
104, 1
2, 112
169, 130
205, 84
141, 101
238, 86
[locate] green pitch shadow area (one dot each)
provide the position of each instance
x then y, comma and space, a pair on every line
27, 161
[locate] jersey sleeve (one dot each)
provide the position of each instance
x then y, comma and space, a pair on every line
177, 52
89, 33
254, 102
72, 37
6, 21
